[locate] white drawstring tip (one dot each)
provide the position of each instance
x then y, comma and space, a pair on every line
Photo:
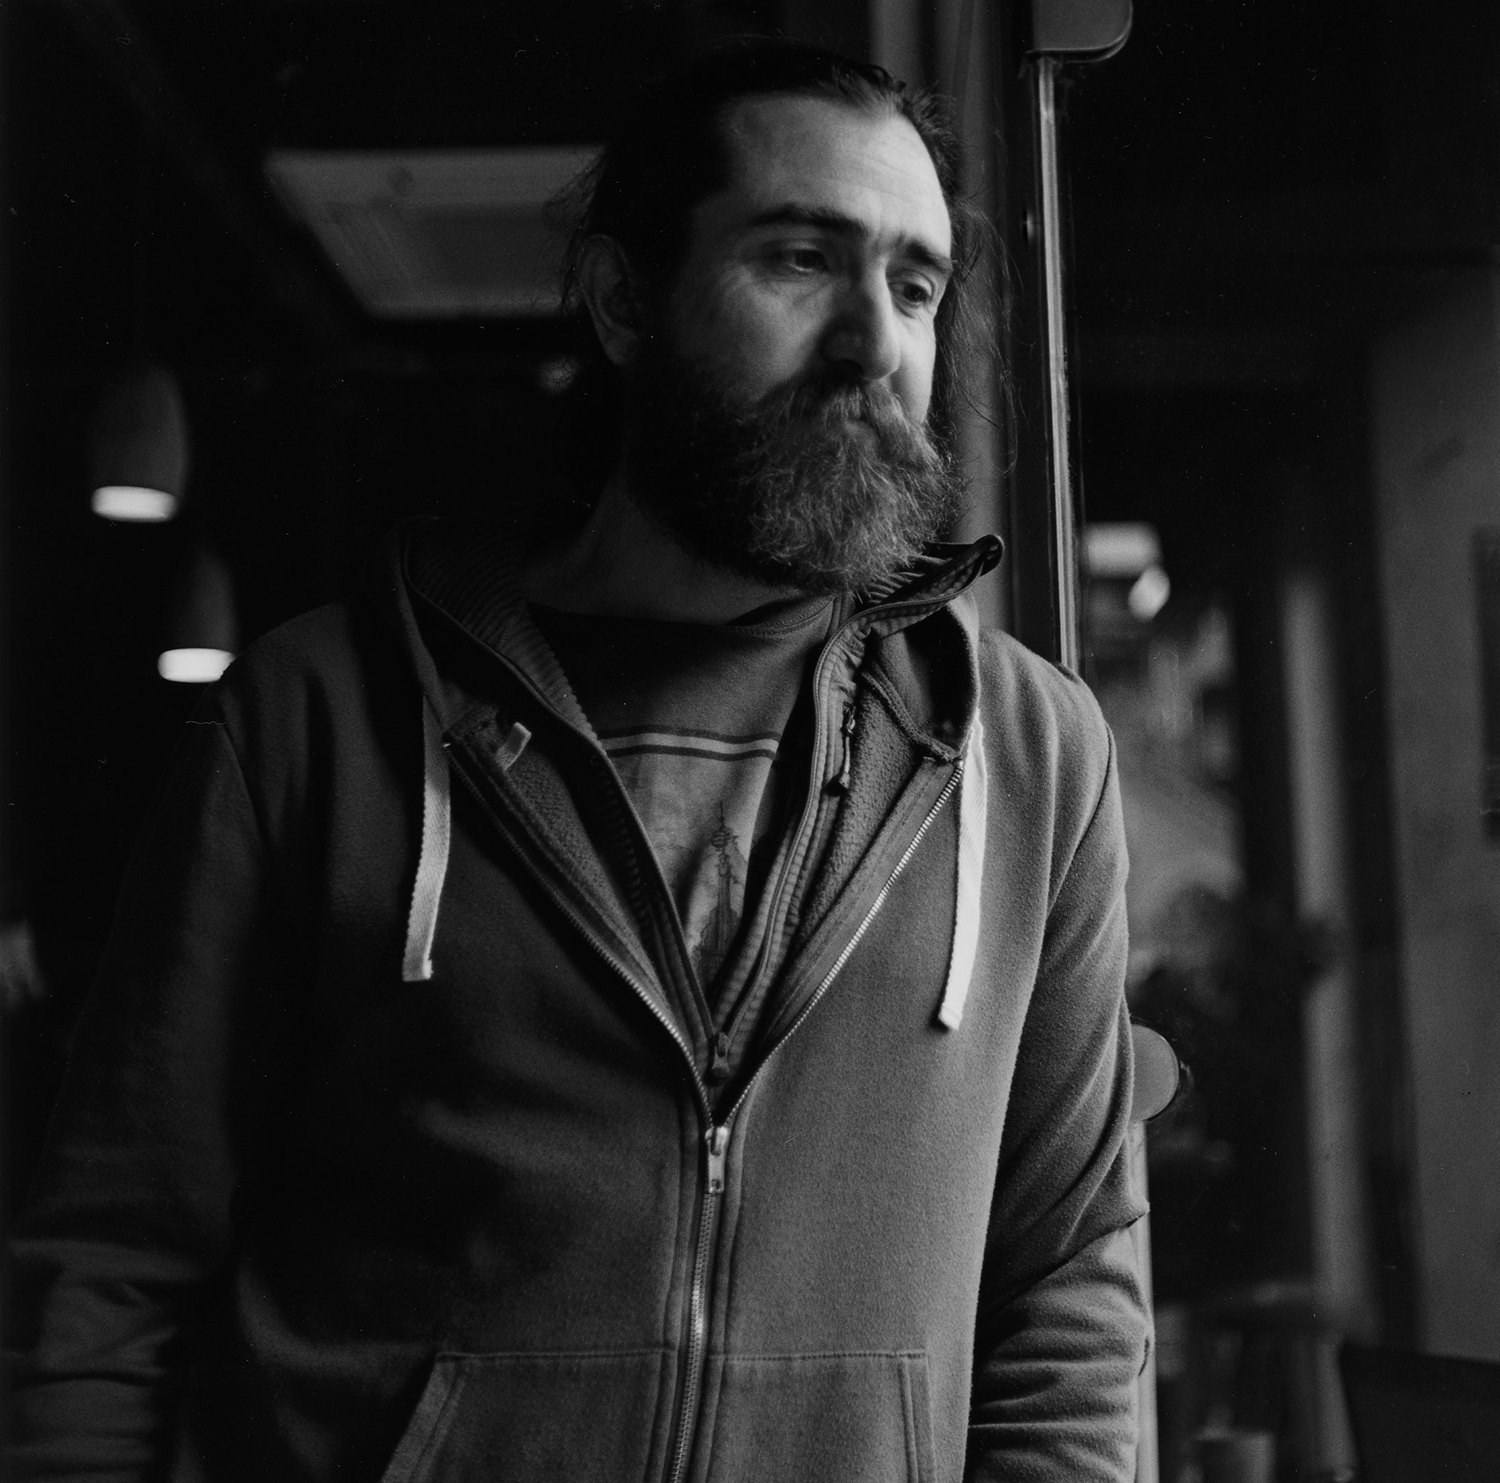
432, 864
973, 806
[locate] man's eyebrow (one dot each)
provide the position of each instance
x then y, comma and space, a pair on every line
825, 219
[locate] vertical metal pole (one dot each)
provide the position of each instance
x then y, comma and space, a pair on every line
1059, 414
1065, 583
963, 36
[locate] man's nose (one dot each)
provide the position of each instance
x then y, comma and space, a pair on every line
862, 335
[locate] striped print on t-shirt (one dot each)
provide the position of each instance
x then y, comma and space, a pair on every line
694, 717
704, 793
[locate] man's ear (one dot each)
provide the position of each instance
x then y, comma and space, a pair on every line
610, 291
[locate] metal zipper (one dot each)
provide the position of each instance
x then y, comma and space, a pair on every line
842, 781
854, 941
602, 948
716, 1143
716, 1140
716, 1137
817, 782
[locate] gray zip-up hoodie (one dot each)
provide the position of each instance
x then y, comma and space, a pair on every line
398, 1142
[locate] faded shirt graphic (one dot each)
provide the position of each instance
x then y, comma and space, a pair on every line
694, 718
708, 806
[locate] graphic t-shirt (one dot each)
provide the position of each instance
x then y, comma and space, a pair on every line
700, 722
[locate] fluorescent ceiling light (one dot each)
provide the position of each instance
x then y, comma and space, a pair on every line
193, 666
132, 502
436, 234
1120, 549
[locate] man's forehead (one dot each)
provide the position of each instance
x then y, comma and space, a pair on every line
818, 153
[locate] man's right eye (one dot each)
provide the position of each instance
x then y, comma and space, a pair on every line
803, 259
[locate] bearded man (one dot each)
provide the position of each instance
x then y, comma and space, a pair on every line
647, 1005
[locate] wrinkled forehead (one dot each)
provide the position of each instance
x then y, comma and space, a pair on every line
867, 164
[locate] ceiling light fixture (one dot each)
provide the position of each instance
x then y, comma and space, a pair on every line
437, 234
202, 632
139, 447
193, 666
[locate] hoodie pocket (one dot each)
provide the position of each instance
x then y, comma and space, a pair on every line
822, 1418
528, 1417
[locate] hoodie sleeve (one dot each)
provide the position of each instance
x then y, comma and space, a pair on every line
1061, 1332
179, 1074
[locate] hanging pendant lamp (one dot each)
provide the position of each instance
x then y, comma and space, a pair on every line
202, 632
139, 447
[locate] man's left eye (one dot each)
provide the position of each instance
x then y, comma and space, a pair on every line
914, 293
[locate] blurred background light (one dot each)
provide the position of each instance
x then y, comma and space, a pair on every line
1120, 548
139, 447
556, 374
132, 502
193, 666
1149, 593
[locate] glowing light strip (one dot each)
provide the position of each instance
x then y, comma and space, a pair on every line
133, 502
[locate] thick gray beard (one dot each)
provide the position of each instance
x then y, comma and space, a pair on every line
786, 491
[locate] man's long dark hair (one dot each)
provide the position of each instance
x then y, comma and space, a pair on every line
669, 153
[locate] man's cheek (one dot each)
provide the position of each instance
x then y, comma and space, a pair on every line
913, 388
769, 357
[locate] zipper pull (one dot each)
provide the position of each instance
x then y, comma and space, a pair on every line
718, 1067
841, 783
716, 1141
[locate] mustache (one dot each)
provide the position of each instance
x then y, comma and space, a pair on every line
817, 411
832, 397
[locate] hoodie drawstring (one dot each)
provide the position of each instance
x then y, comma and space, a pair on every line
973, 805
437, 831
432, 864
437, 835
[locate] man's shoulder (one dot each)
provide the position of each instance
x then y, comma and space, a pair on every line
317, 646
1041, 719
1018, 682
318, 671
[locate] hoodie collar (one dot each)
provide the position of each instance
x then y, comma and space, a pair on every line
469, 572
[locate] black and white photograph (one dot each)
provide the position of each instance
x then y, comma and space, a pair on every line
749, 741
